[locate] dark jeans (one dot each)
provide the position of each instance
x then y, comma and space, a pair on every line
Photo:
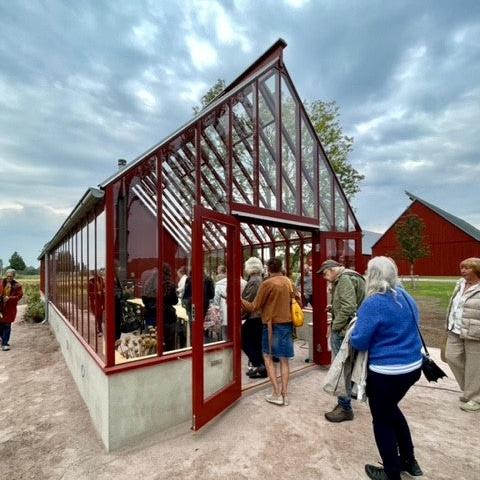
335, 343
5, 329
252, 330
390, 427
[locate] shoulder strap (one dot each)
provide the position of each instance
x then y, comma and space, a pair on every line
418, 328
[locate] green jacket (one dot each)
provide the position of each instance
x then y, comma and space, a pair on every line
348, 292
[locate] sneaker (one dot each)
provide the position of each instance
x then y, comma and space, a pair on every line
5, 348
412, 467
470, 406
375, 473
276, 399
338, 414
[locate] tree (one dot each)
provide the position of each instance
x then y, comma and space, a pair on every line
410, 231
325, 117
212, 92
16, 262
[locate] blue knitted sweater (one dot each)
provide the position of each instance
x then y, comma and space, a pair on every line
387, 329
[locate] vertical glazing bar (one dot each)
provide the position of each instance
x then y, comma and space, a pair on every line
316, 181
256, 150
229, 159
95, 266
87, 284
160, 249
278, 140
299, 160
198, 163
110, 277
76, 270
82, 281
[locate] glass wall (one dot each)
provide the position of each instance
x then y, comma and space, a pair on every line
77, 279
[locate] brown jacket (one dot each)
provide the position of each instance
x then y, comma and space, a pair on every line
273, 300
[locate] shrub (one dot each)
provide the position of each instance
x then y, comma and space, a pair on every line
35, 311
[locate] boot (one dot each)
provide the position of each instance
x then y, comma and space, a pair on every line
375, 473
258, 372
412, 467
338, 414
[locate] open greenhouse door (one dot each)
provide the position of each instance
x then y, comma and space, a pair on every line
216, 354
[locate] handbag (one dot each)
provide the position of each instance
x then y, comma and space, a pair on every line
296, 311
430, 369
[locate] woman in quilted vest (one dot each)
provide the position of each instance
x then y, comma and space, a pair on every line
462, 351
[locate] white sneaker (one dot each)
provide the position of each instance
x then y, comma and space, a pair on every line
470, 406
276, 399
5, 348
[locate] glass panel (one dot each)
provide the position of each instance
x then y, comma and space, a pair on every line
136, 265
243, 148
214, 162
267, 142
351, 222
340, 212
308, 173
325, 190
218, 365
289, 174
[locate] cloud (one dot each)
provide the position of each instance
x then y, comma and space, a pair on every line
86, 83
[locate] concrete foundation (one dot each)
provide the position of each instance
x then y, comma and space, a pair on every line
131, 405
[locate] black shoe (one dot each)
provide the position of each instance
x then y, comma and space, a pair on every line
412, 467
375, 473
258, 372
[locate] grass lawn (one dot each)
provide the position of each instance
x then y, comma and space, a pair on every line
432, 289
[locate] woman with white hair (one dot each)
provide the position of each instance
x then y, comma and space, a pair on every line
387, 328
252, 327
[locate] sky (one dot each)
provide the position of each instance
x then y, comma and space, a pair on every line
85, 83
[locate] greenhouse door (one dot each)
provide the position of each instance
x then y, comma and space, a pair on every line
216, 354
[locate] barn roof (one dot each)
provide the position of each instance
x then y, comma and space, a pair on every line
458, 222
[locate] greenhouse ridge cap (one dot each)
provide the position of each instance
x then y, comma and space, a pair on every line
256, 68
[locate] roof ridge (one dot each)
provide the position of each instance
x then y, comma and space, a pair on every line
468, 228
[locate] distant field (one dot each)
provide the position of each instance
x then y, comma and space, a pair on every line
440, 290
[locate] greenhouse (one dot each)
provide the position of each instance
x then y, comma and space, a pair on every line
247, 176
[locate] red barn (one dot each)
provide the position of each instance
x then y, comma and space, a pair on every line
450, 239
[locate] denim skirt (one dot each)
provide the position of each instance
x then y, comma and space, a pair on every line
282, 340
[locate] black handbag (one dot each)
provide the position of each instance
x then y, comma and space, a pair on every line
430, 369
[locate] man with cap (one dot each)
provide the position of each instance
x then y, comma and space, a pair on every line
10, 293
347, 293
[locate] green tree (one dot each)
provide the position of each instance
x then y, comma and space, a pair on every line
410, 231
217, 88
325, 117
16, 262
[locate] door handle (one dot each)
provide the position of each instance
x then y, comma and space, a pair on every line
193, 312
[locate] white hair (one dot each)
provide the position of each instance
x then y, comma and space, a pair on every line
11, 270
253, 266
381, 276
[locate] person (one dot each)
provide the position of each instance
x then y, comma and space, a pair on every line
252, 325
96, 299
220, 300
149, 296
462, 350
182, 278
221, 273
307, 285
169, 315
387, 327
347, 293
273, 302
10, 293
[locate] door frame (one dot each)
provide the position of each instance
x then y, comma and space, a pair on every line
204, 410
